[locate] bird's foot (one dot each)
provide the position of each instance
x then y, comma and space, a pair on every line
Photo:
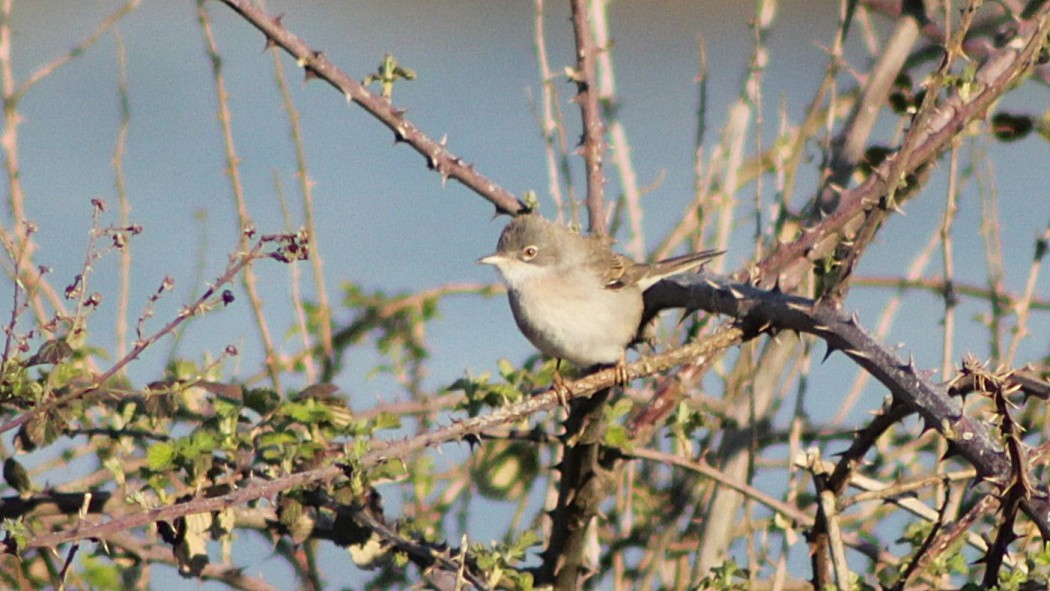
561, 390
621, 376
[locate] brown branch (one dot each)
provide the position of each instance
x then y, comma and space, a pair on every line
848, 146
946, 537
582, 487
753, 308
440, 565
233, 172
593, 144
977, 45
324, 308
585, 463
997, 75
438, 157
702, 467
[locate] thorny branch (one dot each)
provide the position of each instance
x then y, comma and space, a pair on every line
437, 154
993, 78
593, 141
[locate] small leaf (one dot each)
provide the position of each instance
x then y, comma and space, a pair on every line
160, 456
386, 420
617, 436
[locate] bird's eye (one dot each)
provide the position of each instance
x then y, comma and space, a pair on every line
529, 252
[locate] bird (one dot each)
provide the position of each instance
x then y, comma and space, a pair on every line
573, 297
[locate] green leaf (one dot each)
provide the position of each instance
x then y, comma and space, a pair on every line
276, 438
617, 436
202, 442
306, 412
160, 456
386, 420
393, 469
506, 369
618, 409
99, 574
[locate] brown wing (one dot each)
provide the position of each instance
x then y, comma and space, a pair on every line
618, 271
612, 267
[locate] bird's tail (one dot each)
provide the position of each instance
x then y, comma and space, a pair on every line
675, 265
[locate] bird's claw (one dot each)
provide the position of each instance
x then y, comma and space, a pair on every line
561, 390
621, 376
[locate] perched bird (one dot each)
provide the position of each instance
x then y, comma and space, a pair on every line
571, 295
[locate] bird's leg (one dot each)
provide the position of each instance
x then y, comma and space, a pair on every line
560, 389
620, 368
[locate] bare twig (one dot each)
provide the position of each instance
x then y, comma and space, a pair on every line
438, 156
619, 146
324, 307
107, 23
586, 77
701, 466
121, 328
556, 149
1028, 301
233, 171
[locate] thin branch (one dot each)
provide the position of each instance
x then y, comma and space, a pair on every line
556, 148
107, 23
992, 80
324, 307
119, 180
438, 157
619, 146
936, 285
207, 301
233, 171
593, 144
700, 466
763, 311
1028, 301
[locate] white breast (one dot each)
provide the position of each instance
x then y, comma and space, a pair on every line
577, 320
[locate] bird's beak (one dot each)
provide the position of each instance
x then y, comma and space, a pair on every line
492, 259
